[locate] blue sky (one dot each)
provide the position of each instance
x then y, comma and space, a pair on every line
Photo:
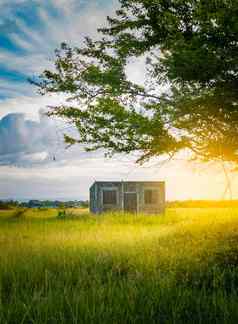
30, 30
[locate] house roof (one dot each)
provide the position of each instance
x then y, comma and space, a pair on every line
126, 182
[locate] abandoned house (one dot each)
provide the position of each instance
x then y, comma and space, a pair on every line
135, 197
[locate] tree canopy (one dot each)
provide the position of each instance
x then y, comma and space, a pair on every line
190, 49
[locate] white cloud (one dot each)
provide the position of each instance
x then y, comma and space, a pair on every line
41, 43
72, 180
23, 140
34, 36
29, 105
19, 41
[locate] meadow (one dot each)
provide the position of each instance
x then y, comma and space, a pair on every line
115, 268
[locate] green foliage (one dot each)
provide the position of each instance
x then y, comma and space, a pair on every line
61, 214
190, 47
67, 213
5, 205
118, 268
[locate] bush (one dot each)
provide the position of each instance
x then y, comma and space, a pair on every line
61, 214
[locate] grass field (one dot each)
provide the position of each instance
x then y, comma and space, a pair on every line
177, 268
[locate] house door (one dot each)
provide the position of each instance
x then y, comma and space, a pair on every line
130, 202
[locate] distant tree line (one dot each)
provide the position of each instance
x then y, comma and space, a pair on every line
11, 204
202, 204
8, 204
44, 204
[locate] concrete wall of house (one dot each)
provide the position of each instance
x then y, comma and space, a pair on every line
157, 208
96, 196
93, 200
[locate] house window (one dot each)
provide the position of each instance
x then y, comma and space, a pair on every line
151, 197
109, 197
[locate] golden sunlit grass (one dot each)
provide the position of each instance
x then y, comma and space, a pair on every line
115, 268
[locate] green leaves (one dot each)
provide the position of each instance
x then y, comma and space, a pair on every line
191, 48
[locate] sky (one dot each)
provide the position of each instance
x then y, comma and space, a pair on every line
34, 162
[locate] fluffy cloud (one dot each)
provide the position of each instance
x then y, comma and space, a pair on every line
32, 143
25, 141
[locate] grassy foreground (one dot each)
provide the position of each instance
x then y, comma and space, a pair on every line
177, 268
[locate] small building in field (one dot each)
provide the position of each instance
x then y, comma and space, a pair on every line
133, 196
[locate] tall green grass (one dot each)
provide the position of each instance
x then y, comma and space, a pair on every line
115, 268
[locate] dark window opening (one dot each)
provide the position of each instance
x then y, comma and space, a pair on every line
151, 196
109, 197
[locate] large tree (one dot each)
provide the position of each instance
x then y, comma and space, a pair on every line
190, 49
